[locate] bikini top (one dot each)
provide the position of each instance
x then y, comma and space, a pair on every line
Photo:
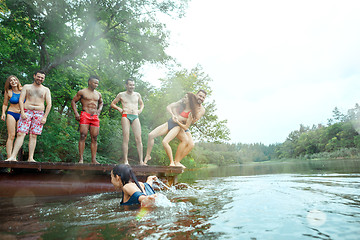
15, 98
134, 199
185, 114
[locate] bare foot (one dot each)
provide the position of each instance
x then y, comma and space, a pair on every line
143, 164
31, 160
126, 162
81, 161
147, 158
180, 165
11, 160
95, 162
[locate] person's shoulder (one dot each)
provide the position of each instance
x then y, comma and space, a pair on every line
82, 91
97, 92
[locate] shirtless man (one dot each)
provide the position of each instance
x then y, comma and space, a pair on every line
130, 111
186, 142
32, 113
92, 105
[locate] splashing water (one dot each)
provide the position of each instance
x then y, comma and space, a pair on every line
161, 184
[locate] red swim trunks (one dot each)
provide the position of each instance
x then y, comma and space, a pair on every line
32, 122
89, 119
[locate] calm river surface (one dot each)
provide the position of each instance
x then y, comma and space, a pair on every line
308, 200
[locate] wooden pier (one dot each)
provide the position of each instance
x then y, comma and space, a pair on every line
19, 179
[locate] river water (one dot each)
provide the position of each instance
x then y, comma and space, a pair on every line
304, 200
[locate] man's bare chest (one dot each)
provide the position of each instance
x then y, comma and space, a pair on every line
36, 93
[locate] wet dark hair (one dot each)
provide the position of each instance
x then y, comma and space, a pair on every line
40, 71
93, 77
125, 173
128, 80
202, 90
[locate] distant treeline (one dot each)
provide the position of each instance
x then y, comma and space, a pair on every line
338, 139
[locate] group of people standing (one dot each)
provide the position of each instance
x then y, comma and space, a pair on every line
28, 113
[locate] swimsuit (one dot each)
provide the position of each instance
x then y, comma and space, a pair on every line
131, 117
14, 98
32, 122
185, 114
172, 124
134, 199
89, 119
15, 115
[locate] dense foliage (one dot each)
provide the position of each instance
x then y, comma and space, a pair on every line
112, 39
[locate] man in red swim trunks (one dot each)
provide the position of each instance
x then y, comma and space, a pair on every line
92, 105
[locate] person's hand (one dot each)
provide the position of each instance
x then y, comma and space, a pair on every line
23, 116
149, 201
77, 117
153, 178
43, 120
3, 117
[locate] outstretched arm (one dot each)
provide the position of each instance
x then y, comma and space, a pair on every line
150, 180
147, 201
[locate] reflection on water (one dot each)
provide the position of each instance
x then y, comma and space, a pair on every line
224, 203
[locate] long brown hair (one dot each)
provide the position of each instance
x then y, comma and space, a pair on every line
192, 103
7, 83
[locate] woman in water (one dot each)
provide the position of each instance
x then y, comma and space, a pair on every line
12, 94
178, 122
133, 192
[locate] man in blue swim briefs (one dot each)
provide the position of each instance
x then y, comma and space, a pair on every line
130, 111
33, 114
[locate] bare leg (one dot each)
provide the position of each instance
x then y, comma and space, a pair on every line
125, 123
83, 134
170, 136
11, 128
159, 131
184, 148
32, 145
136, 127
18, 143
94, 132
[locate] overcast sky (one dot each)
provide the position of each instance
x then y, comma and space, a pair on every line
274, 64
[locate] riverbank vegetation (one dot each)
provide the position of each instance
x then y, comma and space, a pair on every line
339, 139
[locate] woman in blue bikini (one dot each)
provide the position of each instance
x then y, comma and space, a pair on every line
133, 191
12, 94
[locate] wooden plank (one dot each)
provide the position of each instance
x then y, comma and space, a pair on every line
88, 167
